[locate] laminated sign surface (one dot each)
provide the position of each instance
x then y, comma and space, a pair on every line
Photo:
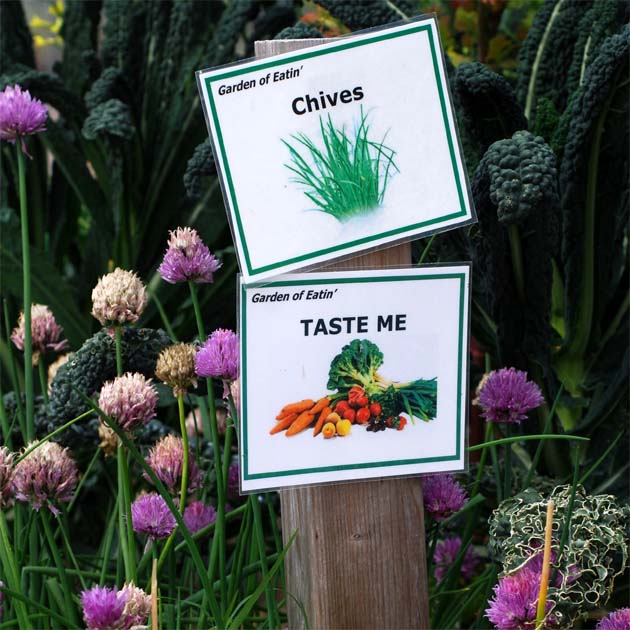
354, 374
338, 148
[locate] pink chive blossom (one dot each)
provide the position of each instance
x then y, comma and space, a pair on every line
443, 496
45, 332
445, 553
103, 608
197, 516
235, 391
137, 606
219, 358
47, 476
507, 396
7, 460
617, 620
129, 400
119, 297
187, 258
166, 459
513, 606
20, 115
150, 515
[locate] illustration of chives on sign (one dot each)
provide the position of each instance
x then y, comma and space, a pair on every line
327, 151
352, 375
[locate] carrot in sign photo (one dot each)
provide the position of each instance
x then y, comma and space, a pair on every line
322, 403
284, 414
298, 407
300, 423
285, 423
326, 411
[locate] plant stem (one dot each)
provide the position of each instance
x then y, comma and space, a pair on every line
517, 261
59, 564
544, 580
68, 546
43, 379
426, 249
197, 309
11, 572
260, 543
482, 460
508, 463
122, 512
118, 342
185, 448
26, 284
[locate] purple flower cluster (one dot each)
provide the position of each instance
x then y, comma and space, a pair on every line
443, 496
617, 620
106, 608
45, 477
45, 332
515, 600
197, 515
129, 400
187, 258
507, 396
219, 358
166, 459
20, 115
445, 553
150, 515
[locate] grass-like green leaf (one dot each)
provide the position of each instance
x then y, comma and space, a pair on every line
347, 175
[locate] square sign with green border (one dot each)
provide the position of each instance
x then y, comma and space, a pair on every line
338, 148
353, 375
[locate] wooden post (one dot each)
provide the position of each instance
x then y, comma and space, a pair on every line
359, 559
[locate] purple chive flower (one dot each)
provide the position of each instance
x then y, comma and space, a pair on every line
507, 396
197, 516
46, 476
443, 496
103, 608
187, 258
45, 332
20, 115
166, 459
219, 358
129, 400
617, 620
6, 473
445, 553
515, 600
150, 515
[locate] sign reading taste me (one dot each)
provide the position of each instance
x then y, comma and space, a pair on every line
338, 148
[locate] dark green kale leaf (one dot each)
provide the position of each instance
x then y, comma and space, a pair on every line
360, 14
16, 44
110, 119
200, 165
487, 105
300, 30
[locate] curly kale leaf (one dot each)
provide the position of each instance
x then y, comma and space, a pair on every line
487, 105
16, 44
594, 186
516, 196
108, 86
111, 119
359, 14
356, 364
200, 165
300, 30
93, 364
547, 52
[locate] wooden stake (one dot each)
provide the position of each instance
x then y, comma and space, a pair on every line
359, 560
546, 566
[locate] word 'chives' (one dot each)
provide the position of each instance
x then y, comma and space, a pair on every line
106, 608
187, 258
442, 496
445, 553
47, 476
119, 297
219, 358
20, 115
197, 515
166, 459
129, 400
45, 332
150, 515
507, 396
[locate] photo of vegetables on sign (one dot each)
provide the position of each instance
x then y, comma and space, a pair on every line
347, 145
362, 396
351, 375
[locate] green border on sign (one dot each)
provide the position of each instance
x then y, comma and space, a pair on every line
317, 53
397, 462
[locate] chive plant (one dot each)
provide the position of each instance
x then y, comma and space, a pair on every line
346, 173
